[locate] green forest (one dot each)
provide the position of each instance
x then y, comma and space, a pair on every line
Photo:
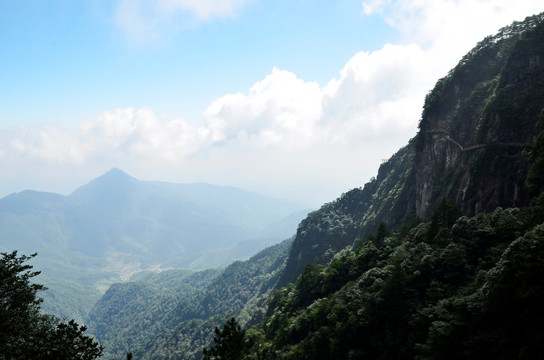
451, 288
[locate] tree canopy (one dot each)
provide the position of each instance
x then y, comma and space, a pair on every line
25, 333
230, 343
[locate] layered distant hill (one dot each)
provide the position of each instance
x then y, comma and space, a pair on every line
117, 225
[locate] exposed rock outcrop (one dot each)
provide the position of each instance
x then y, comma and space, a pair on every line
480, 146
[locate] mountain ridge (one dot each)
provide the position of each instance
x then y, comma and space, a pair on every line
470, 149
116, 224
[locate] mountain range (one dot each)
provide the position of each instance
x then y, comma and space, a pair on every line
116, 225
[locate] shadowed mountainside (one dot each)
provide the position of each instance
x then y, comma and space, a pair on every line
480, 146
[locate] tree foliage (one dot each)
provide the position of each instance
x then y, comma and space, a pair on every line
230, 343
452, 288
25, 333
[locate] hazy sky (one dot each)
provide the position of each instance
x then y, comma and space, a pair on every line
297, 98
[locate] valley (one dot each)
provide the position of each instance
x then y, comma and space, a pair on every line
117, 226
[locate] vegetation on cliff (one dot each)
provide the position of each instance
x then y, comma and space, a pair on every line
480, 146
172, 314
454, 287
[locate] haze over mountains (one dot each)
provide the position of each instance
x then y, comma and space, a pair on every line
117, 225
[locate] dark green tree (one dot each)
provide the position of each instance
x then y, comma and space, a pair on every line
381, 234
25, 333
443, 218
230, 343
308, 286
18, 301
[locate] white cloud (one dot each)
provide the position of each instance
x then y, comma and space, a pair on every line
141, 134
378, 93
120, 135
453, 24
148, 20
279, 110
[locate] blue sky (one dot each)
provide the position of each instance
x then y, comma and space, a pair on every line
300, 99
69, 60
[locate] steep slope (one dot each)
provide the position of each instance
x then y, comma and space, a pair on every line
484, 114
356, 214
446, 286
452, 288
480, 146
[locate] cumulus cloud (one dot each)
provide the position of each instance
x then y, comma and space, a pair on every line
122, 134
279, 110
376, 94
453, 24
372, 96
147, 20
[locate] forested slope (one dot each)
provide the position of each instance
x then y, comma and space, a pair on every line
164, 315
452, 288
354, 215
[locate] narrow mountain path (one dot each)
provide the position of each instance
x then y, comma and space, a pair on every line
471, 147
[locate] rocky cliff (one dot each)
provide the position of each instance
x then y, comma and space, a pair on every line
477, 132
480, 146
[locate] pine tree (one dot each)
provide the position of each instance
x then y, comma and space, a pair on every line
230, 343
25, 333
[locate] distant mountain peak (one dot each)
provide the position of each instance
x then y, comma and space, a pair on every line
114, 174
116, 170
115, 180
117, 174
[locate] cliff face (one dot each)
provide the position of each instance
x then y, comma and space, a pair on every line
354, 215
480, 145
475, 141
